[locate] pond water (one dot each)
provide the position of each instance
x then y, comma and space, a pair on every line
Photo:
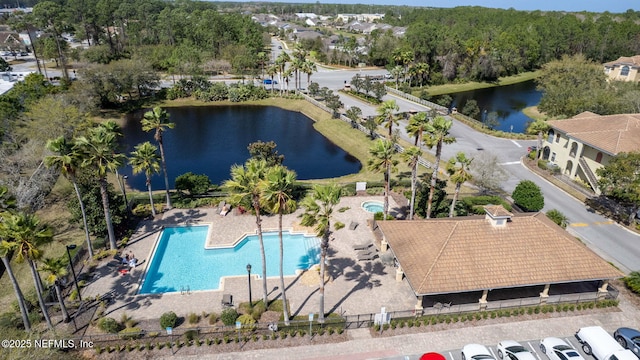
507, 101
209, 139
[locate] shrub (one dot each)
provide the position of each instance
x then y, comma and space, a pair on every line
168, 319
229, 316
194, 184
258, 309
338, 225
191, 335
109, 325
213, 318
632, 281
527, 196
130, 333
194, 318
247, 321
380, 215
557, 217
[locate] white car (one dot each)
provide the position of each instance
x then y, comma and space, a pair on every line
512, 350
558, 349
476, 352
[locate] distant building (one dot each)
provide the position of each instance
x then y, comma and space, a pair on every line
624, 69
10, 40
586, 142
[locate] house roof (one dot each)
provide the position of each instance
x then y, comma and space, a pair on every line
461, 254
625, 60
611, 133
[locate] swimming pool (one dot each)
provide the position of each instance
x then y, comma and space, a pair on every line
180, 259
373, 206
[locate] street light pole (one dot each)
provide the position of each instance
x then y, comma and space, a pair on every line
124, 192
73, 271
249, 278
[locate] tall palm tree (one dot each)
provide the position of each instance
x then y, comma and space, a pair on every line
386, 116
382, 160
437, 135
296, 67
417, 126
458, 170
318, 211
272, 70
158, 121
7, 204
281, 62
411, 157
244, 190
145, 159
67, 158
99, 153
27, 236
309, 67
57, 269
277, 197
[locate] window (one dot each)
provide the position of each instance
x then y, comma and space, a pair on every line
553, 157
624, 71
599, 157
557, 138
574, 150
550, 137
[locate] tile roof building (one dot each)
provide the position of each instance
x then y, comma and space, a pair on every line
626, 68
498, 251
586, 142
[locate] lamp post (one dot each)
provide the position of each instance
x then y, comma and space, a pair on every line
73, 271
124, 192
249, 277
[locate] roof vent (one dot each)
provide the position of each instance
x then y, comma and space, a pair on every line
497, 215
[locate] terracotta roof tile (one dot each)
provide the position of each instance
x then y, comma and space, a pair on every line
625, 60
611, 133
468, 254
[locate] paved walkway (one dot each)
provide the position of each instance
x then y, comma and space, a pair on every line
357, 287
411, 346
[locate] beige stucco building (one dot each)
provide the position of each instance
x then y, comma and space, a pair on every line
581, 145
626, 68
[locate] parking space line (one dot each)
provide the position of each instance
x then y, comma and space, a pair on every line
570, 343
451, 356
491, 350
533, 350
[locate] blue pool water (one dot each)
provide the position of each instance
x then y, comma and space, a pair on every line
180, 259
373, 206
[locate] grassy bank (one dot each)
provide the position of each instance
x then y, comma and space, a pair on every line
534, 113
454, 88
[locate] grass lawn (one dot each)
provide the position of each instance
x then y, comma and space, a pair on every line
454, 88
534, 113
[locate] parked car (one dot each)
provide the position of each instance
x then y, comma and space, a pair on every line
532, 148
629, 339
280, 47
476, 352
512, 350
269, 81
558, 349
596, 341
432, 356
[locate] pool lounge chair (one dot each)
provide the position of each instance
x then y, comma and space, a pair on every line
367, 252
353, 225
362, 246
368, 257
227, 300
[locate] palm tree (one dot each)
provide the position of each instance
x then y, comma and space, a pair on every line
57, 269
281, 63
318, 212
158, 121
382, 160
145, 159
438, 134
277, 197
386, 115
99, 153
309, 67
397, 72
272, 70
67, 158
417, 126
296, 67
458, 170
411, 157
8, 203
27, 236
244, 190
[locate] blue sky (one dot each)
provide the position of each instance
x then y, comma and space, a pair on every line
614, 6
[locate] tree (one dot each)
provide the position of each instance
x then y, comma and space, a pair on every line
620, 179
371, 125
145, 159
158, 121
57, 269
277, 197
67, 157
265, 151
26, 236
386, 115
411, 157
437, 135
540, 128
4, 65
244, 190
8, 203
194, 184
318, 212
417, 126
471, 108
308, 67
99, 154
527, 196
458, 170
382, 160
486, 172
354, 113
281, 63
557, 217
333, 103
397, 72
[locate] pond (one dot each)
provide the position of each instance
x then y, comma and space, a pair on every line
506, 101
209, 139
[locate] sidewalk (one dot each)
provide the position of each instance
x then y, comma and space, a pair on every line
362, 346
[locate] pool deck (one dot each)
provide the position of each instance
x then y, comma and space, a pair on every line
356, 287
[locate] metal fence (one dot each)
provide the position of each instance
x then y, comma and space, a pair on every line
440, 109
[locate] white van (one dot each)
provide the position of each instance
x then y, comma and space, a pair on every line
598, 342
